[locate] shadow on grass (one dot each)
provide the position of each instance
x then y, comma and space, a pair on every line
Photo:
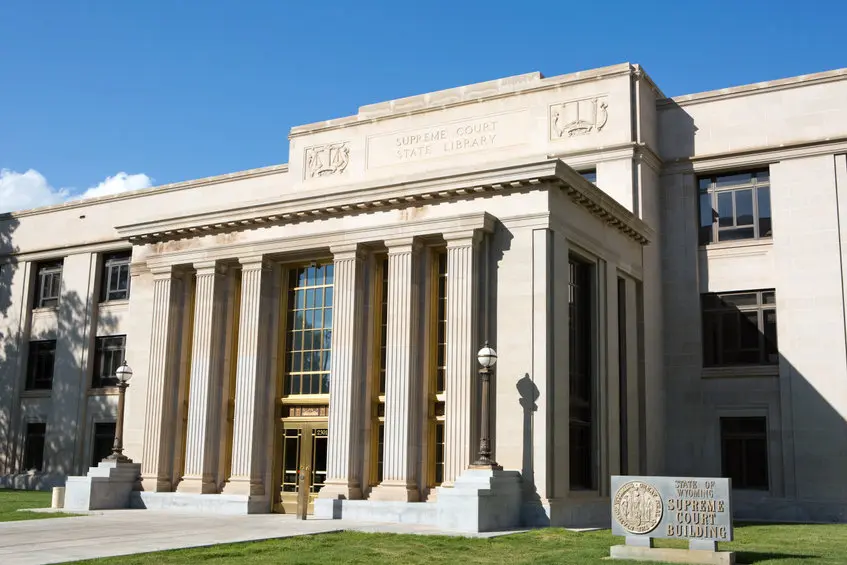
751, 557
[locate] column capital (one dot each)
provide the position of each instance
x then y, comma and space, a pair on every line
209, 268
162, 272
463, 238
402, 245
253, 263
347, 251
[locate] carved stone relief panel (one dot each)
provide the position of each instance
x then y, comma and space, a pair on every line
578, 117
326, 160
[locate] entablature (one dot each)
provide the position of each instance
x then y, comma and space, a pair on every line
358, 198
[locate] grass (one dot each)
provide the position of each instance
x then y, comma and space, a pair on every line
759, 544
12, 500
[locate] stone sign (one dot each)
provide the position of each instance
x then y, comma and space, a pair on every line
449, 139
672, 507
695, 509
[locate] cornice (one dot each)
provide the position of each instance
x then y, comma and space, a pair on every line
440, 100
339, 240
162, 189
750, 89
755, 156
371, 197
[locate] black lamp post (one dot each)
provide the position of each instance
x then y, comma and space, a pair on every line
123, 373
487, 358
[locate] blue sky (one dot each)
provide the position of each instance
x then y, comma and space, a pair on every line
164, 91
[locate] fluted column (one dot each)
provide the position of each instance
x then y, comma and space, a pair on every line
156, 458
402, 375
462, 346
344, 449
251, 380
202, 441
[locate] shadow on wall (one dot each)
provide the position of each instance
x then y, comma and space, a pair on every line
66, 409
8, 337
801, 456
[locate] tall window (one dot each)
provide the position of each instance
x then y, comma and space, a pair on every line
104, 440
34, 446
440, 384
309, 338
108, 355
581, 383
39, 371
114, 283
739, 329
382, 349
49, 284
744, 452
735, 206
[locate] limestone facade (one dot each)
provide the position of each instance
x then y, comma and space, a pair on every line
662, 278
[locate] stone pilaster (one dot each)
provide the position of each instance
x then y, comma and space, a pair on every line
251, 380
347, 371
402, 375
462, 346
202, 440
157, 456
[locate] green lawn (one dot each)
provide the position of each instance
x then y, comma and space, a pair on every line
763, 545
11, 500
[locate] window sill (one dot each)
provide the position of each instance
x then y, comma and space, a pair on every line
104, 391
114, 303
306, 399
37, 393
740, 371
45, 310
737, 244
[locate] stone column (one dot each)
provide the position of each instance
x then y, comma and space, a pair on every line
202, 441
252, 376
156, 459
344, 450
462, 346
402, 375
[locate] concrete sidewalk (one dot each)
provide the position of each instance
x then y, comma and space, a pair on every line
123, 532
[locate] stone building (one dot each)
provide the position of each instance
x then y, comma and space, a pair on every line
624, 252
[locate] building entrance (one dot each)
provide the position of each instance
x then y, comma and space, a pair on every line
303, 446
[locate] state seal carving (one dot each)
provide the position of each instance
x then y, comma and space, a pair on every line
638, 507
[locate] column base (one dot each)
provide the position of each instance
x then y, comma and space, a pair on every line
196, 485
481, 500
341, 490
156, 484
105, 487
241, 486
398, 492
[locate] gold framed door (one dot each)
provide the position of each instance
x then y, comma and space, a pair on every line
303, 444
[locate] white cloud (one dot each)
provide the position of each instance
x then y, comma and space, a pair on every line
21, 191
121, 182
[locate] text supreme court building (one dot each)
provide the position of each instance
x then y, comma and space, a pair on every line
663, 280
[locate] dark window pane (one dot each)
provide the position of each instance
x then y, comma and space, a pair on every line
744, 452
104, 439
725, 210
763, 177
733, 179
707, 217
771, 351
749, 330
705, 183
34, 446
739, 300
763, 196
744, 207
735, 234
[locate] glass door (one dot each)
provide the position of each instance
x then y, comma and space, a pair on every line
304, 445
